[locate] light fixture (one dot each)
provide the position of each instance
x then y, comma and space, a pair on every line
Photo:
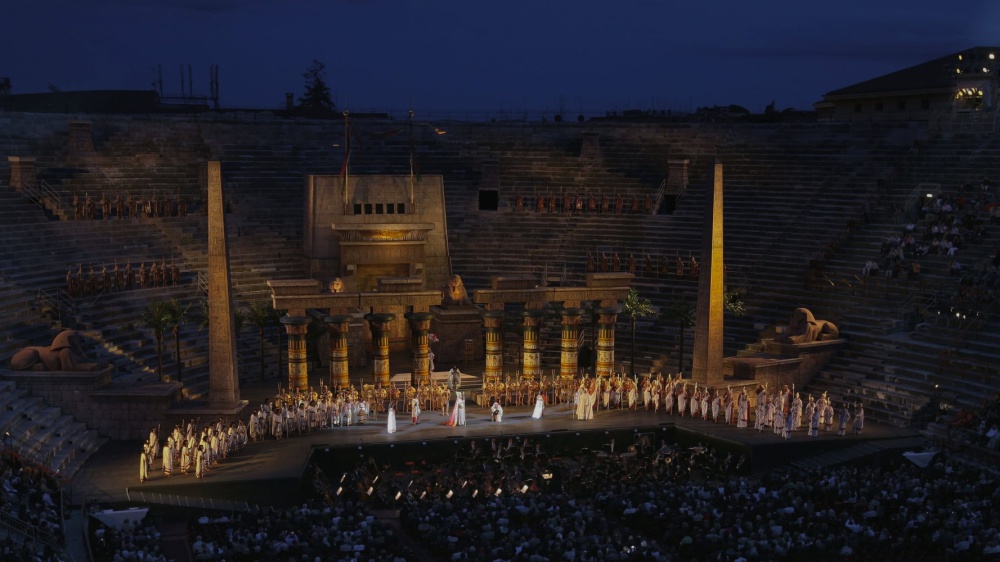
992, 56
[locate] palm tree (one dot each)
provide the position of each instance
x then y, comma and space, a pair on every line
156, 316
682, 311
176, 315
261, 314
635, 307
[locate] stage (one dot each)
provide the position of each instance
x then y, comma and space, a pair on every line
270, 471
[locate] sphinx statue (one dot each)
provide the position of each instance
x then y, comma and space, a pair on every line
454, 293
336, 285
65, 354
804, 328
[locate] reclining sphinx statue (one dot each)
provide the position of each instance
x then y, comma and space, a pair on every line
804, 328
65, 354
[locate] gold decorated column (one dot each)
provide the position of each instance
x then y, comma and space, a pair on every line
339, 373
420, 326
569, 358
493, 321
606, 320
379, 324
531, 358
298, 371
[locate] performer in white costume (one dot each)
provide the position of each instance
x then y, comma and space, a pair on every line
539, 406
391, 420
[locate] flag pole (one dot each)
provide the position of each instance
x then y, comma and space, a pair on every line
411, 157
347, 156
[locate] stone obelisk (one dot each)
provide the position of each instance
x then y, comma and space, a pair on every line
224, 380
707, 359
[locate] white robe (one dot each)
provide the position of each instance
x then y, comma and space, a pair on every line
539, 407
391, 423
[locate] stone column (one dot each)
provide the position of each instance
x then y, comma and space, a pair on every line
569, 358
531, 358
493, 320
22, 172
224, 378
339, 372
706, 362
298, 370
420, 326
379, 324
606, 320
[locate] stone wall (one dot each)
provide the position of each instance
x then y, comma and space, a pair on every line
126, 413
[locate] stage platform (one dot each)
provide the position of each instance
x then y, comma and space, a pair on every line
270, 471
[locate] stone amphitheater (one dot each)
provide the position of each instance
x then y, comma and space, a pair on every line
806, 204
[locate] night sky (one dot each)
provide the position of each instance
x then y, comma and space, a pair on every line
536, 55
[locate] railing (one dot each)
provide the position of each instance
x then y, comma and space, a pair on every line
58, 301
15, 526
203, 282
39, 192
186, 501
658, 198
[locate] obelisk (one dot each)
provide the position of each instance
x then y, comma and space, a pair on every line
224, 380
707, 361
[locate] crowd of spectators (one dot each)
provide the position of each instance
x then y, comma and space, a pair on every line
31, 500
683, 503
132, 541
336, 525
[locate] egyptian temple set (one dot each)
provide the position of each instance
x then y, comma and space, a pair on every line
505, 247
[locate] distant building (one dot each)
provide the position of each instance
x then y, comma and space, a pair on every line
962, 82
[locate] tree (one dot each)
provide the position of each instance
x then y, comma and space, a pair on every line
261, 315
156, 316
682, 311
176, 315
635, 307
316, 98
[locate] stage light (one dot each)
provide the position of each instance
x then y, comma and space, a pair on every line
959, 57
958, 70
985, 69
992, 56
